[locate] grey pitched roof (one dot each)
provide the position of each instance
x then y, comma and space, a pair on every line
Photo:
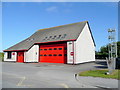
64, 32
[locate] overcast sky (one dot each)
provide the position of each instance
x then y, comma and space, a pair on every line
22, 19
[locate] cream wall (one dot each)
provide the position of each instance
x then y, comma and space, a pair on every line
84, 47
13, 57
32, 54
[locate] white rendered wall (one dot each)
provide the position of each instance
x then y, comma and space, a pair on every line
69, 50
13, 57
32, 54
84, 47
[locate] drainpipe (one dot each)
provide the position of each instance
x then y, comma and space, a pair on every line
24, 55
73, 52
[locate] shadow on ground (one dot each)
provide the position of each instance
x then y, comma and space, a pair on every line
101, 64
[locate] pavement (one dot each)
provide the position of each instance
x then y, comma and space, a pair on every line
99, 82
50, 75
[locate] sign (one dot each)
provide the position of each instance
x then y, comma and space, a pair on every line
72, 53
13, 53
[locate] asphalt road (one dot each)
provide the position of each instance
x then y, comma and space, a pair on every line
43, 75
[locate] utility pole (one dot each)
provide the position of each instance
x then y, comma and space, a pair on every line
112, 50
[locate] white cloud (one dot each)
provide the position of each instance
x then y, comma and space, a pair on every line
52, 9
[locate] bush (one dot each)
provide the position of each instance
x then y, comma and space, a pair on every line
2, 56
118, 63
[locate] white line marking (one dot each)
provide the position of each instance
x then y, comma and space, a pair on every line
21, 81
64, 85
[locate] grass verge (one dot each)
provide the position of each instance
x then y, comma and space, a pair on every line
101, 73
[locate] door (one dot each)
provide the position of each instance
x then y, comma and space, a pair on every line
20, 57
55, 53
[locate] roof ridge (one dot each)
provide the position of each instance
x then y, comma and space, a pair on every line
60, 26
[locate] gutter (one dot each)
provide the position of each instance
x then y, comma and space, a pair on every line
15, 50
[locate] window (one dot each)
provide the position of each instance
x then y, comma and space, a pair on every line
43, 39
59, 36
50, 37
41, 55
50, 54
65, 54
54, 37
55, 55
60, 48
9, 55
60, 55
50, 48
40, 49
55, 48
45, 55
45, 49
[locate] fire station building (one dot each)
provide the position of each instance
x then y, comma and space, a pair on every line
68, 44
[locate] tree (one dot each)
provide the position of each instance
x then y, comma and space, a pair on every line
118, 49
103, 52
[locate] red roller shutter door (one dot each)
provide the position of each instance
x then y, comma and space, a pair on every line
55, 53
20, 57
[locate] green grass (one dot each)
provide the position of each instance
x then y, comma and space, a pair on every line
1, 56
101, 73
